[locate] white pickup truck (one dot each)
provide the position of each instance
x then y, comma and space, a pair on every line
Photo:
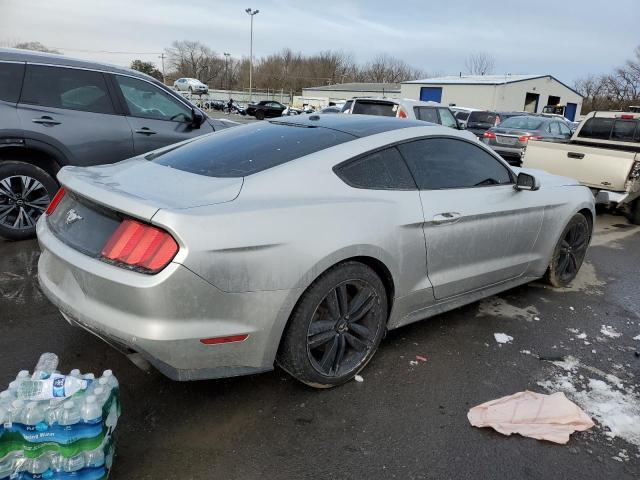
603, 154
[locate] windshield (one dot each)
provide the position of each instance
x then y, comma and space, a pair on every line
242, 151
523, 123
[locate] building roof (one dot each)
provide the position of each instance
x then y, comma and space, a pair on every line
359, 87
484, 80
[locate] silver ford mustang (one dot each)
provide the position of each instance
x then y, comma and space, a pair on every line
299, 242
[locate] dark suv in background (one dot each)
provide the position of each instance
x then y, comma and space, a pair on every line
57, 111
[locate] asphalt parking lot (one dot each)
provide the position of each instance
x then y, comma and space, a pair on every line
407, 419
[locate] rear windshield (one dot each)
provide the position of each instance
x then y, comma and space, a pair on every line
242, 151
383, 109
483, 117
610, 129
462, 115
524, 123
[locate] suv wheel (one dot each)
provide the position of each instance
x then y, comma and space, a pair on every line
336, 327
25, 193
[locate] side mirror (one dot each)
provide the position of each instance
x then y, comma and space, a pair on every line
526, 182
197, 118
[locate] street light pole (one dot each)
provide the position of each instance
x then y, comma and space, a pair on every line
251, 13
226, 70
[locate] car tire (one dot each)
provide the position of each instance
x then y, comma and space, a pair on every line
634, 213
18, 215
260, 115
569, 252
336, 327
190, 90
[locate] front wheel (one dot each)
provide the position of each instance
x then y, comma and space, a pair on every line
634, 214
25, 193
570, 251
260, 115
336, 327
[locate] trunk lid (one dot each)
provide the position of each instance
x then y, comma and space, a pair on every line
140, 188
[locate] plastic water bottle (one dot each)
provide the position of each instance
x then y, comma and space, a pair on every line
16, 410
75, 373
111, 379
32, 414
36, 466
73, 464
94, 458
53, 411
22, 375
13, 386
10, 464
6, 398
45, 367
56, 385
4, 417
91, 410
70, 414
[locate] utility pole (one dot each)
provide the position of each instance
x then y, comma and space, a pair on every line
251, 13
162, 57
226, 70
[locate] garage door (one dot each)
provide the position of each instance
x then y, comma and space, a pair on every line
431, 94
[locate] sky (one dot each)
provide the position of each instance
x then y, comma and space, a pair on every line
565, 38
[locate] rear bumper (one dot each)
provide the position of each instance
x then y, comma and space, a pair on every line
163, 317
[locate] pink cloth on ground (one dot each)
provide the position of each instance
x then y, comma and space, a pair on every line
544, 417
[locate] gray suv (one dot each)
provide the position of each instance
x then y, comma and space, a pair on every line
57, 111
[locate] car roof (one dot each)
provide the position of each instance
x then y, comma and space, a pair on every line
30, 56
356, 125
407, 102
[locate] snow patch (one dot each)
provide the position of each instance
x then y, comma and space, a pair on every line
637, 337
498, 307
609, 331
502, 338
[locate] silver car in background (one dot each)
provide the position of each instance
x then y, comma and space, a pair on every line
510, 137
192, 85
299, 241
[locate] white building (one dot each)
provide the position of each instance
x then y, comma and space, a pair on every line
345, 91
530, 93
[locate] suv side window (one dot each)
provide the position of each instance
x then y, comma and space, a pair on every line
438, 163
447, 118
623, 130
427, 114
382, 170
148, 101
11, 81
67, 88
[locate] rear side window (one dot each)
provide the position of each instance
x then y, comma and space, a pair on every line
382, 109
439, 163
247, 149
623, 130
462, 115
597, 128
426, 114
347, 105
11, 81
446, 118
382, 170
67, 88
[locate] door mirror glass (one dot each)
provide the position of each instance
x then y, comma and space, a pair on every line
526, 182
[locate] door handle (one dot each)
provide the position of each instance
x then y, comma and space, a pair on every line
45, 120
145, 131
448, 217
575, 155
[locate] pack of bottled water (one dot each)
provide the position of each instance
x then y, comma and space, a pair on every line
55, 426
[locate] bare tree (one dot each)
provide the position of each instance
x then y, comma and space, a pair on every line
36, 46
480, 63
194, 59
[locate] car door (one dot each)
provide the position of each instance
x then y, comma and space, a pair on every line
479, 230
275, 109
156, 118
72, 110
447, 119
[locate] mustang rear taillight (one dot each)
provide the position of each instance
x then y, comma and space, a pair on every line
56, 200
140, 246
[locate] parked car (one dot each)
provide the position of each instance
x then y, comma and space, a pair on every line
57, 111
504, 115
510, 138
332, 109
192, 85
266, 109
603, 154
476, 121
301, 247
404, 108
